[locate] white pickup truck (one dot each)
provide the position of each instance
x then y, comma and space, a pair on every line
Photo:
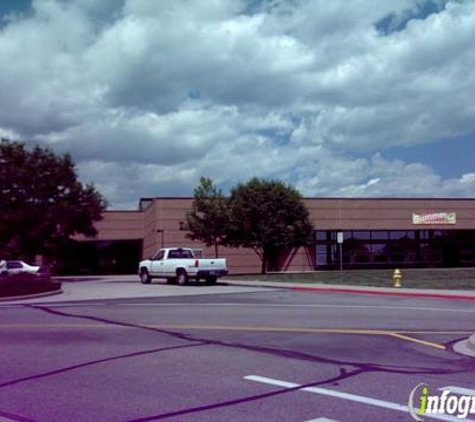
180, 265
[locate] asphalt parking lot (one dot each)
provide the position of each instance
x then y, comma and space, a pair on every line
246, 355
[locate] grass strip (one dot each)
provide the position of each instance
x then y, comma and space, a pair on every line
443, 278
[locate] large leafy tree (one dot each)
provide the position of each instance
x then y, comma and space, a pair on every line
268, 216
208, 219
42, 203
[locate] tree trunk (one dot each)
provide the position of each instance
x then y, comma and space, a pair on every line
216, 254
264, 263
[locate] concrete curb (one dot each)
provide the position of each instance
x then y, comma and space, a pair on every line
34, 296
366, 291
466, 347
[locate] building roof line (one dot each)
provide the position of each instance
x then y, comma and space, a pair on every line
340, 198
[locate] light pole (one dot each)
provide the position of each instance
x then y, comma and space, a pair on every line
340, 244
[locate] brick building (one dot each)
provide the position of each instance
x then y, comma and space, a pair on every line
376, 233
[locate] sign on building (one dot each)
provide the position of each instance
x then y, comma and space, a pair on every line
434, 218
339, 237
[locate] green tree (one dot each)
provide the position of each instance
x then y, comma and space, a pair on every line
268, 216
42, 203
208, 219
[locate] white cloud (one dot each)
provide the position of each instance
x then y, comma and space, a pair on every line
398, 179
148, 95
8, 134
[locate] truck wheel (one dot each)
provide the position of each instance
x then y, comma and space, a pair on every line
145, 276
211, 280
181, 277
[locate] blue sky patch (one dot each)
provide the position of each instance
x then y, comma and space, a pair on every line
14, 6
397, 22
449, 158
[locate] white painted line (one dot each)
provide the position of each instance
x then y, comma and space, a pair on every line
459, 390
412, 308
116, 302
271, 381
347, 396
322, 420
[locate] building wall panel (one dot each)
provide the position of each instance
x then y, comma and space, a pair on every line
119, 225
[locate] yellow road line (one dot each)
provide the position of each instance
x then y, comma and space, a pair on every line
203, 327
275, 329
397, 334
416, 340
237, 328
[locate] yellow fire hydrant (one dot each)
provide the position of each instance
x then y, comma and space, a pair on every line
397, 277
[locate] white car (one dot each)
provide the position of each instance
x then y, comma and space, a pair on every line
18, 267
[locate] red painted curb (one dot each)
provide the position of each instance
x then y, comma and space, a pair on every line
376, 293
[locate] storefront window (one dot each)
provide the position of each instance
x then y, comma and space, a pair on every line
378, 247
321, 235
348, 235
321, 249
362, 235
380, 235
361, 259
423, 234
322, 260
468, 254
397, 234
387, 248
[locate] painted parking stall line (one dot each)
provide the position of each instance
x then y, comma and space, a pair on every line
348, 396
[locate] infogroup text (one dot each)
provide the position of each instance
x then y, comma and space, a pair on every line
422, 403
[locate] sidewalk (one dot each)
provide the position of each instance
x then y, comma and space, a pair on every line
126, 287
344, 288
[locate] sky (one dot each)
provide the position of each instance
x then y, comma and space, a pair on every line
337, 98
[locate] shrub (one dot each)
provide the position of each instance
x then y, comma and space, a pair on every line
26, 284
